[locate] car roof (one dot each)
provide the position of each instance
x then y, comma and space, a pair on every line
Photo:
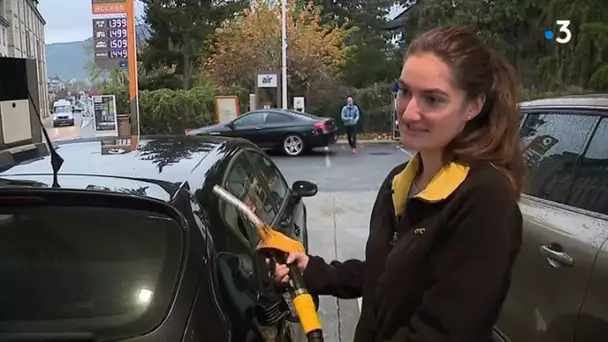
158, 167
290, 112
585, 101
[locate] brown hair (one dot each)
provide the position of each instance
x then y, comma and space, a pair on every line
492, 136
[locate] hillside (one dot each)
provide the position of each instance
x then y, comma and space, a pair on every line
69, 60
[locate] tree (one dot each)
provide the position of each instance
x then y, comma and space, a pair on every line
177, 28
98, 76
372, 42
515, 29
251, 43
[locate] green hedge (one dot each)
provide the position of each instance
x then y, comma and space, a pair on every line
375, 103
167, 111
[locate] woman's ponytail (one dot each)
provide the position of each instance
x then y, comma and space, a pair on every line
504, 115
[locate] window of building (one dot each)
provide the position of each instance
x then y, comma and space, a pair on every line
28, 43
4, 37
553, 144
590, 190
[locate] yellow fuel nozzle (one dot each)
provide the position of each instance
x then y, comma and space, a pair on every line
276, 241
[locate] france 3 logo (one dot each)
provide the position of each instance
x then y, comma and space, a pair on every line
563, 35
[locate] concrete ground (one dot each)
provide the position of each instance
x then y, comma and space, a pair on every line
338, 216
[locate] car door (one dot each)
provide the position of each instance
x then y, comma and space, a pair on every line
240, 269
560, 242
250, 127
277, 125
590, 193
290, 215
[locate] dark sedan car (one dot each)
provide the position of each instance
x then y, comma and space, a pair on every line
288, 131
129, 243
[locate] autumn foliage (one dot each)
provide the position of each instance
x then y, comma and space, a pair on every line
251, 43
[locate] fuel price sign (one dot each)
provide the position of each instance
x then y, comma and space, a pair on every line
111, 42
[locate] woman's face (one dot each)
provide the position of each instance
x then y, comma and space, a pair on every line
431, 109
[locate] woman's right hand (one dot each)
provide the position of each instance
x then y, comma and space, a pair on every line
281, 271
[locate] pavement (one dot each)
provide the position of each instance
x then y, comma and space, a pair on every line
338, 216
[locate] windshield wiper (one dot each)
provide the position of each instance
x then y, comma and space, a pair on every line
24, 183
49, 337
56, 160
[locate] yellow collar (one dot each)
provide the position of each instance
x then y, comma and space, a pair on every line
443, 184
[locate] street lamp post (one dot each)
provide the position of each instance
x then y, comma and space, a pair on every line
284, 52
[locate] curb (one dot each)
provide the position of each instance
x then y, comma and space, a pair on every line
367, 142
48, 121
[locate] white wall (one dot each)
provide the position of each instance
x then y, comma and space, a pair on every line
25, 39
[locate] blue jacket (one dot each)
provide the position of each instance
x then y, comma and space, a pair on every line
350, 115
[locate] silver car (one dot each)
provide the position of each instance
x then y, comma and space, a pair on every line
559, 287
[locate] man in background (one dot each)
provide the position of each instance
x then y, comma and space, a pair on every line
350, 116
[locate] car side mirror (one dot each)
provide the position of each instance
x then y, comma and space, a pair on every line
304, 189
230, 125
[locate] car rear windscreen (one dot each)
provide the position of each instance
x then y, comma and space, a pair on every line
105, 271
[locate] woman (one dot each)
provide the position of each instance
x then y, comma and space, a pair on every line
445, 228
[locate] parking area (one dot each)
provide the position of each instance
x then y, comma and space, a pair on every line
338, 216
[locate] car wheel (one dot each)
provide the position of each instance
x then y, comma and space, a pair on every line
293, 145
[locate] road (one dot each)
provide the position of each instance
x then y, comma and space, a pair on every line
83, 128
338, 216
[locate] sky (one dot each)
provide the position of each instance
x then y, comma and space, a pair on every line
71, 20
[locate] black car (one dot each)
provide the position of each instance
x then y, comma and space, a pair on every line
289, 131
129, 243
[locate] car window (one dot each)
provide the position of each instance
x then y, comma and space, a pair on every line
105, 270
277, 118
245, 184
253, 119
552, 144
62, 109
279, 190
590, 190
304, 114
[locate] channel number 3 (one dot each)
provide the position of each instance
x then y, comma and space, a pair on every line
563, 28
